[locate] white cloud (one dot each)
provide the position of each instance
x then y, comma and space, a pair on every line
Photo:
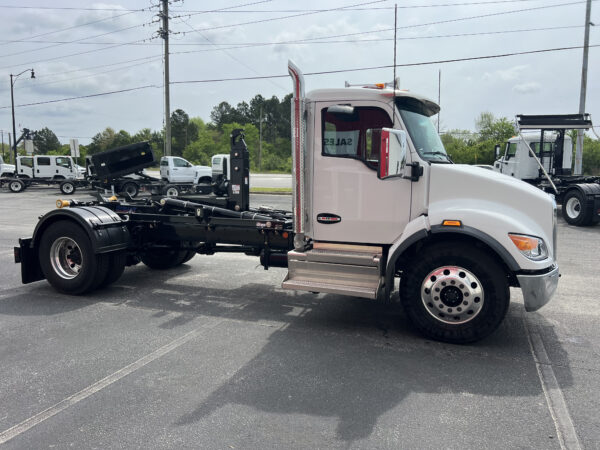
528, 88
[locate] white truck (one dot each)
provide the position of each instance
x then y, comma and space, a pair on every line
6, 170
378, 207
544, 159
178, 170
42, 170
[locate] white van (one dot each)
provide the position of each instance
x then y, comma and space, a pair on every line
46, 166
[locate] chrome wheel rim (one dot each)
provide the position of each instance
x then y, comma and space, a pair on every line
130, 190
67, 188
15, 186
452, 295
66, 258
172, 192
573, 207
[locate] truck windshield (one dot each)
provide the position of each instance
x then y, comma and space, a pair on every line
423, 134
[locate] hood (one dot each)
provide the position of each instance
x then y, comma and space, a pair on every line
497, 202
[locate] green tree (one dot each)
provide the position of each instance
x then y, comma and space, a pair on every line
45, 141
490, 128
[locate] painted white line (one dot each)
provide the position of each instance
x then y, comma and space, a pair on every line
27, 424
565, 430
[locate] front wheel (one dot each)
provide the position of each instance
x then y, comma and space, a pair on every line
455, 293
573, 209
172, 191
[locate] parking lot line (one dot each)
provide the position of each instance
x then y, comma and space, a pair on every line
555, 399
31, 422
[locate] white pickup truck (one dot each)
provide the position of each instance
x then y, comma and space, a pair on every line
178, 170
6, 170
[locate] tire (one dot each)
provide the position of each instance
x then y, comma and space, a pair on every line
171, 191
573, 209
131, 189
67, 187
16, 185
190, 254
461, 312
116, 267
68, 261
164, 258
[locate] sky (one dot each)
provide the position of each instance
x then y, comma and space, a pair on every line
84, 48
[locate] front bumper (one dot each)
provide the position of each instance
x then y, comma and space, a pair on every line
538, 289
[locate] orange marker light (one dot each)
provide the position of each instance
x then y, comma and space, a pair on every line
285, 234
524, 243
62, 203
452, 223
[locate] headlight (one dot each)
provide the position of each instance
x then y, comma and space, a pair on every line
531, 247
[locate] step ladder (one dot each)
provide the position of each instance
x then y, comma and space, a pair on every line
353, 270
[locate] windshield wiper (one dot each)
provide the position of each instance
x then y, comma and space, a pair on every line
444, 154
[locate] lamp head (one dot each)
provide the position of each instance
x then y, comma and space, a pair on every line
32, 74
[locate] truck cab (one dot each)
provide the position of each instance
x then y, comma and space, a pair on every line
377, 199
516, 159
221, 167
175, 169
49, 167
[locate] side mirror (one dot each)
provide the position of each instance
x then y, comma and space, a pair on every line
497, 151
392, 153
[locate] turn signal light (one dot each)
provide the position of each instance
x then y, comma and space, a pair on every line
452, 223
524, 243
62, 203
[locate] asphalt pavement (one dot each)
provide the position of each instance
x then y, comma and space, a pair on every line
213, 354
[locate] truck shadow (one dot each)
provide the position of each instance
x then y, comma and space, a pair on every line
346, 359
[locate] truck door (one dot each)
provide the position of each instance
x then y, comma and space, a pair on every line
182, 171
63, 167
509, 162
349, 203
43, 167
25, 166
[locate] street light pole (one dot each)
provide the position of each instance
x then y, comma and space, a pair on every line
13, 80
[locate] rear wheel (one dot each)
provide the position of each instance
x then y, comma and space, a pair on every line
131, 189
171, 191
67, 187
16, 185
164, 258
573, 208
68, 261
116, 267
455, 293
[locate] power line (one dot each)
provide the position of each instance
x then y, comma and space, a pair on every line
286, 17
326, 72
360, 69
73, 27
376, 40
229, 10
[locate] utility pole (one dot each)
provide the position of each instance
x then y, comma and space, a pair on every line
439, 97
260, 119
10, 146
2, 132
164, 33
584, 68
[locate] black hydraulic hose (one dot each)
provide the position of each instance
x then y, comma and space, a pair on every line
192, 206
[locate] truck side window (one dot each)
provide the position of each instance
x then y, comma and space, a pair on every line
178, 162
352, 135
511, 150
27, 162
164, 162
43, 161
63, 162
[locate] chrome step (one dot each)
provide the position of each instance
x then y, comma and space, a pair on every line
349, 271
